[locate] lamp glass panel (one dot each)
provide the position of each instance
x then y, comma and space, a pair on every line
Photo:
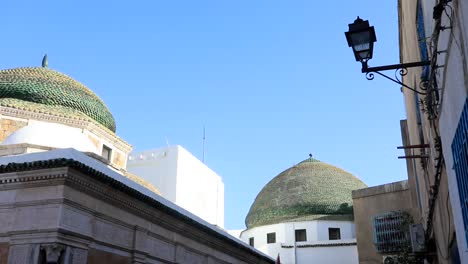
364, 54
361, 40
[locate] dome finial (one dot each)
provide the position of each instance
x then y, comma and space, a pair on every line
45, 63
310, 155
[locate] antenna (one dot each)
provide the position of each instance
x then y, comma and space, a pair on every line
203, 154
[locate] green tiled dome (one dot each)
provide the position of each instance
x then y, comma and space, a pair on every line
41, 85
309, 190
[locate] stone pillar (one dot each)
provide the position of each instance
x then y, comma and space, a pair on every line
25, 253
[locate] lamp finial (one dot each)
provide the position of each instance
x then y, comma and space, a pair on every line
45, 63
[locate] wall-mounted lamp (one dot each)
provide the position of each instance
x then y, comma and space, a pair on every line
361, 38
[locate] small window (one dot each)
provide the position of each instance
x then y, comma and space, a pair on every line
251, 241
301, 235
389, 231
460, 164
106, 152
334, 233
271, 238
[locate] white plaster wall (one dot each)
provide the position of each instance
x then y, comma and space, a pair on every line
51, 135
347, 229
453, 99
328, 255
159, 167
182, 179
199, 189
317, 233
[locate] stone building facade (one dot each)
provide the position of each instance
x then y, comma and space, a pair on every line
375, 201
66, 207
437, 31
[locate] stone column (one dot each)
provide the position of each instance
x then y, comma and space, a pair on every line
25, 253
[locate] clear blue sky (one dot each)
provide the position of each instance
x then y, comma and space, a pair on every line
272, 81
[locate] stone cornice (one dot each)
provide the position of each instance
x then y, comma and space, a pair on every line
83, 123
321, 245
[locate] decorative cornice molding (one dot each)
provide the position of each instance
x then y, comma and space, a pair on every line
321, 245
82, 123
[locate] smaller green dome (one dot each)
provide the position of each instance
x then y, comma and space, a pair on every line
309, 190
43, 86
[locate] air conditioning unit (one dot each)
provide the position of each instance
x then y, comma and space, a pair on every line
390, 259
417, 236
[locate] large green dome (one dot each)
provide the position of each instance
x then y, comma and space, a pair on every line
307, 191
39, 87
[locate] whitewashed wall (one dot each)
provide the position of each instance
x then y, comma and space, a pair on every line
328, 255
199, 188
51, 135
317, 234
454, 98
182, 179
453, 82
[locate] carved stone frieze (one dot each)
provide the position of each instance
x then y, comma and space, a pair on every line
53, 252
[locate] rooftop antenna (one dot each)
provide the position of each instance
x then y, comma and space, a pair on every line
203, 154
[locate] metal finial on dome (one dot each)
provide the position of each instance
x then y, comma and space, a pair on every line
310, 155
45, 63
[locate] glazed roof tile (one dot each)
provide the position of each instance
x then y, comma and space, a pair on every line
43, 86
310, 190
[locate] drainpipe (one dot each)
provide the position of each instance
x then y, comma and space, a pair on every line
295, 246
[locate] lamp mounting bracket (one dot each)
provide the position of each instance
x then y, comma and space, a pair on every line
400, 71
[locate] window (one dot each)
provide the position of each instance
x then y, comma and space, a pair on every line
460, 160
106, 152
421, 33
271, 238
391, 231
251, 241
334, 233
301, 235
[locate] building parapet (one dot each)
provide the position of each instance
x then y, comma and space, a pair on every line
381, 189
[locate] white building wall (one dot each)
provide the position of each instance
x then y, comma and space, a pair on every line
182, 179
453, 82
52, 135
314, 250
199, 188
328, 255
347, 229
159, 167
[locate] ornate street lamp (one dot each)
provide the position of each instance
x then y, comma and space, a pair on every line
361, 38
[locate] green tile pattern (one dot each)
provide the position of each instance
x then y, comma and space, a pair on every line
310, 190
57, 110
43, 86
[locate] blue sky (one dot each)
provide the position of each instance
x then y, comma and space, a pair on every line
272, 81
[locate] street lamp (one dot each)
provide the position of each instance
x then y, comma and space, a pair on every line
361, 38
